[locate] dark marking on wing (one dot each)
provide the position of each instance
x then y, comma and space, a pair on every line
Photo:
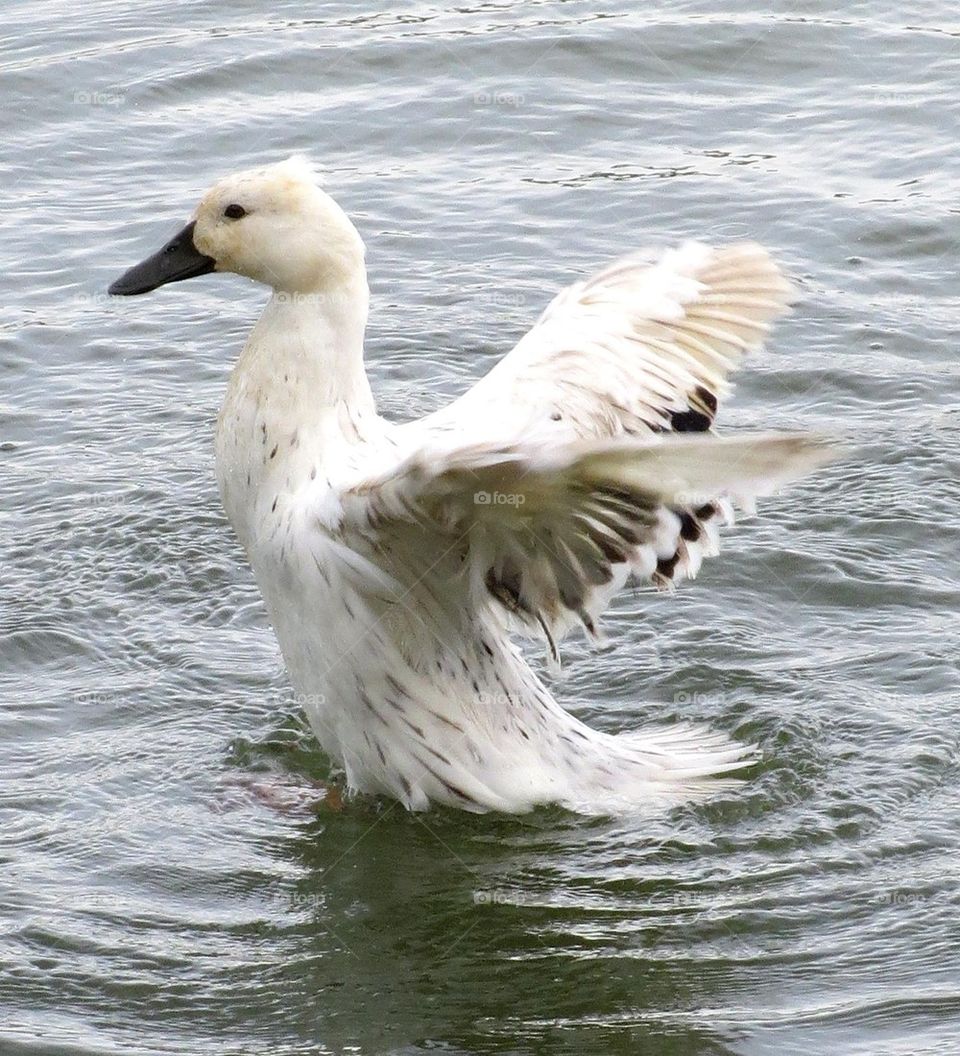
611, 550
438, 755
689, 529
321, 570
689, 422
699, 417
707, 398
413, 728
506, 589
666, 565
396, 686
368, 703
448, 722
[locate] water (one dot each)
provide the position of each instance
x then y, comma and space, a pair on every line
167, 886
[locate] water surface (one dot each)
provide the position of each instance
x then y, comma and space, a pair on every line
165, 885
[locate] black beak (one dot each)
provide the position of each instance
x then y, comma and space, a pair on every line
179, 259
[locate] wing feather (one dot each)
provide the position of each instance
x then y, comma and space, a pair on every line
574, 427
550, 534
632, 350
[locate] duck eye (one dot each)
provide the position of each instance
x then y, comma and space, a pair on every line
234, 212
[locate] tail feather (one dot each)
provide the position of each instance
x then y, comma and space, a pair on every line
657, 767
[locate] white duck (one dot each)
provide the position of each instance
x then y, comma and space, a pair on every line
396, 560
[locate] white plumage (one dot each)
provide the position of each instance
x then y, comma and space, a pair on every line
396, 561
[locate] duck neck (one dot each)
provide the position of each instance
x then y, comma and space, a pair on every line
307, 349
298, 397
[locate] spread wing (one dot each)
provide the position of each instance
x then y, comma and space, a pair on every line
557, 475
546, 534
638, 348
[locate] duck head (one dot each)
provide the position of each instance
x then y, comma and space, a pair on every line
272, 224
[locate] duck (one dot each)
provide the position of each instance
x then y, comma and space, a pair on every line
407, 566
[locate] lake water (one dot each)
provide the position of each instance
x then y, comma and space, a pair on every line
167, 885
